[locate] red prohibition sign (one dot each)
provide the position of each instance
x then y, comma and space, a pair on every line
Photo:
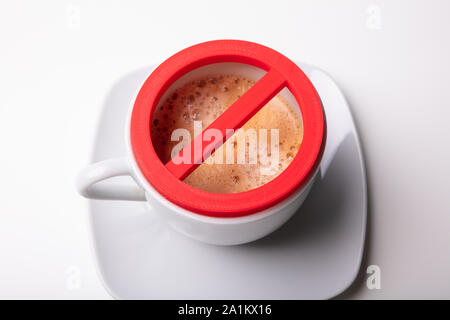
280, 72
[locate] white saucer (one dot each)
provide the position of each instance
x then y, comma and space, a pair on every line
316, 255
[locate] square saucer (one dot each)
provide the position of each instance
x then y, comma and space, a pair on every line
315, 255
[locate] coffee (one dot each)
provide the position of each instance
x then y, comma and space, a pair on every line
204, 100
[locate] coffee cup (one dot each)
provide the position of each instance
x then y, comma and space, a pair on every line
203, 226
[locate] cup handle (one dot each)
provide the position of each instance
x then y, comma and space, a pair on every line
88, 178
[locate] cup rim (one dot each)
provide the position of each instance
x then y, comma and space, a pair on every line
295, 176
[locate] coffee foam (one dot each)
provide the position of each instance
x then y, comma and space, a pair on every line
205, 99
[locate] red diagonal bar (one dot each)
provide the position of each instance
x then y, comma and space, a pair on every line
233, 118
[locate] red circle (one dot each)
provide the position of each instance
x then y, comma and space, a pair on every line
230, 204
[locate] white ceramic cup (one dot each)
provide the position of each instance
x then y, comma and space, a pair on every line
213, 230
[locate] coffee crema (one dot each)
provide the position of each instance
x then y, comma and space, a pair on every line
205, 99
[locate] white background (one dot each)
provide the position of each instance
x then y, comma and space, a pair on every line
59, 58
